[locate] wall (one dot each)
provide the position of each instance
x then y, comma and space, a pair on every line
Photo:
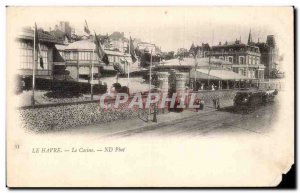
63, 116
225, 96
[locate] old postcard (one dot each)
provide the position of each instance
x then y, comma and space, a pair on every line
149, 96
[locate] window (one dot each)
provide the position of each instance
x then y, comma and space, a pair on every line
241, 71
95, 57
73, 55
26, 55
250, 60
241, 60
230, 59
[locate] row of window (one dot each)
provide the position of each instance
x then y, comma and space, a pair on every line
251, 73
85, 56
26, 59
240, 49
252, 59
29, 46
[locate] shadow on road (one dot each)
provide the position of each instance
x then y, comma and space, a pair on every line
243, 109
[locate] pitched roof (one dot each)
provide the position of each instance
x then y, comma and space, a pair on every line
89, 45
44, 36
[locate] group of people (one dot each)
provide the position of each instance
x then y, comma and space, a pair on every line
203, 86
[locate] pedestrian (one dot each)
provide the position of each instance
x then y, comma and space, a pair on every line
197, 102
202, 86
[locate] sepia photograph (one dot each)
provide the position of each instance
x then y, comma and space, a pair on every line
149, 96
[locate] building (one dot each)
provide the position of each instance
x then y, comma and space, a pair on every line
61, 36
142, 46
269, 54
117, 42
118, 45
48, 51
65, 27
79, 58
245, 58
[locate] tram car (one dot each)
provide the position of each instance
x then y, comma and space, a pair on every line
251, 99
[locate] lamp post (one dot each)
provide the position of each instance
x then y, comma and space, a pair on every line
92, 72
33, 68
149, 110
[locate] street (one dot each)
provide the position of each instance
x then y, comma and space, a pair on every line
257, 121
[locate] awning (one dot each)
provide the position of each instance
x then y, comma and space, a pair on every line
217, 74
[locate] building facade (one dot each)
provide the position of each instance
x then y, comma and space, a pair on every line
269, 54
142, 46
26, 52
79, 58
245, 58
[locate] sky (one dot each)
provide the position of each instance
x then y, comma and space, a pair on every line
168, 27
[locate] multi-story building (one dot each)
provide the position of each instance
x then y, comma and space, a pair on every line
48, 51
117, 41
148, 46
61, 36
245, 58
79, 58
65, 27
269, 54
201, 51
119, 45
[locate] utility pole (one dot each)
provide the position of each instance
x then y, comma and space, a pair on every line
128, 69
92, 75
211, 52
33, 68
149, 110
195, 84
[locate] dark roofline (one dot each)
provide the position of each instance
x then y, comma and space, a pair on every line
234, 45
28, 34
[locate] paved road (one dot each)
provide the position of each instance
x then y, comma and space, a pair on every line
217, 122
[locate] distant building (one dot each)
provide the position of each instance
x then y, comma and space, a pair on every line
269, 54
244, 57
118, 42
201, 51
48, 51
65, 27
119, 45
142, 46
61, 36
